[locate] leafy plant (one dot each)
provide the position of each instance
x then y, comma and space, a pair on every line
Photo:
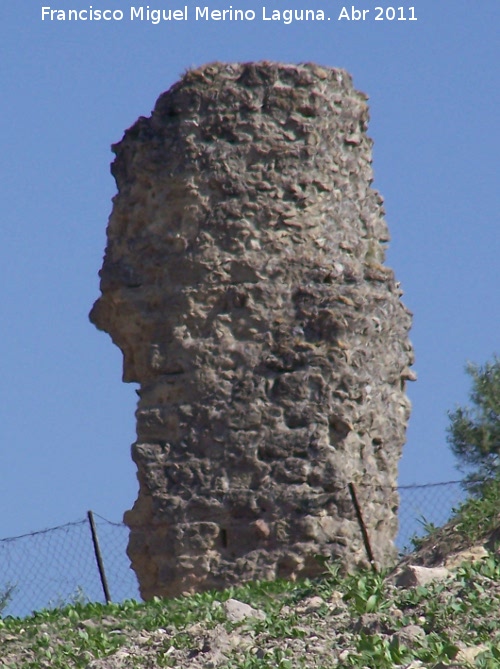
76, 597
5, 596
478, 515
474, 432
379, 652
428, 527
366, 591
489, 659
168, 633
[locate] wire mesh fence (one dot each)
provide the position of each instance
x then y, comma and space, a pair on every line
424, 506
57, 566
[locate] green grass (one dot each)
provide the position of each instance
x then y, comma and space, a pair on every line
356, 625
464, 610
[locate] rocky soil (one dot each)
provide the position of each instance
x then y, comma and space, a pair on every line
415, 617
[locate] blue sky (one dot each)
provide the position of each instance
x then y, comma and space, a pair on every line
69, 90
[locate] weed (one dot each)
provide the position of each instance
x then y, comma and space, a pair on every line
477, 516
464, 608
366, 592
6, 595
378, 652
428, 527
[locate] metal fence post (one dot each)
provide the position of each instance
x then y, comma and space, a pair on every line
362, 526
98, 557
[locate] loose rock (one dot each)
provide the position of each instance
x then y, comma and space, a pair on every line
237, 611
414, 575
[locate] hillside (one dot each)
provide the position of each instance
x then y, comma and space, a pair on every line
363, 620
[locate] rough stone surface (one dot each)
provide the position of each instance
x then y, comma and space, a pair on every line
472, 554
236, 611
409, 634
244, 283
415, 575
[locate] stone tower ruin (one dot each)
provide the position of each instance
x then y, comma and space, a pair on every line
244, 283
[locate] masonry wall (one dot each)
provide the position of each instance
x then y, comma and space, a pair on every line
244, 282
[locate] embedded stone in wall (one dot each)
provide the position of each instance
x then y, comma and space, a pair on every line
244, 283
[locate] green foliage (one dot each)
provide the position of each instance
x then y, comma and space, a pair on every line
374, 650
6, 596
489, 660
464, 609
76, 597
366, 592
379, 652
428, 527
477, 516
474, 432
272, 659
